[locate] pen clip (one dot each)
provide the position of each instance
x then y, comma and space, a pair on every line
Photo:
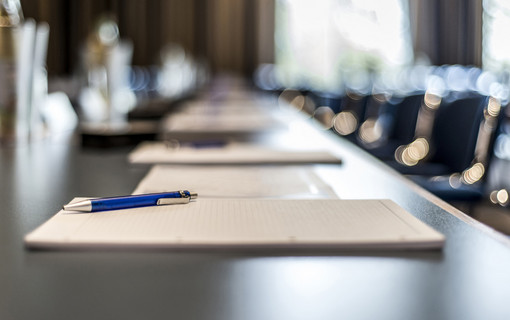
185, 197
164, 201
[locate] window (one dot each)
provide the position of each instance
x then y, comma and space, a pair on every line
324, 43
496, 44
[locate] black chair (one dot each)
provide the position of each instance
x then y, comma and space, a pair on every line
459, 150
398, 118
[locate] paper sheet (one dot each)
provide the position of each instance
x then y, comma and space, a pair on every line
238, 181
232, 153
241, 223
222, 122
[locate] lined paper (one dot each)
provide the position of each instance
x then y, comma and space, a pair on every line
242, 223
242, 181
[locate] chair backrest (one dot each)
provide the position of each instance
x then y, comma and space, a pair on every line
455, 131
405, 117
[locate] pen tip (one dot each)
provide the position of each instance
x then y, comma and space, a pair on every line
193, 195
83, 206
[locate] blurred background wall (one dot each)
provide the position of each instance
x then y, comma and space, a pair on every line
230, 35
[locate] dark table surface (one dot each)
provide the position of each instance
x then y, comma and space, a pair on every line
468, 279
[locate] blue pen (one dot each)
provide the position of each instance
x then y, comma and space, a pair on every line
132, 201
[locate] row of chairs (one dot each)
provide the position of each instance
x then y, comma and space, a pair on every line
442, 143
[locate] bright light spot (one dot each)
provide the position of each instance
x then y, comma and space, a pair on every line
502, 196
345, 123
398, 154
370, 131
411, 154
432, 100
408, 159
419, 149
494, 107
325, 116
494, 196
290, 97
455, 180
108, 33
402, 156
474, 173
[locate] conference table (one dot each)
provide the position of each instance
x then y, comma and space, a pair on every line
469, 278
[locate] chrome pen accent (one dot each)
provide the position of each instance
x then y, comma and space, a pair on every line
132, 201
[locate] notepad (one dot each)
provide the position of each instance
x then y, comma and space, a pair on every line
242, 181
232, 153
222, 121
241, 224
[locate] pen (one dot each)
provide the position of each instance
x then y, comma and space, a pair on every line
132, 201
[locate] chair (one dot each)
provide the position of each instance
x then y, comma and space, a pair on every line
460, 148
399, 117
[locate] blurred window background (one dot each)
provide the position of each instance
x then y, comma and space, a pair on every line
496, 47
239, 35
310, 40
321, 43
